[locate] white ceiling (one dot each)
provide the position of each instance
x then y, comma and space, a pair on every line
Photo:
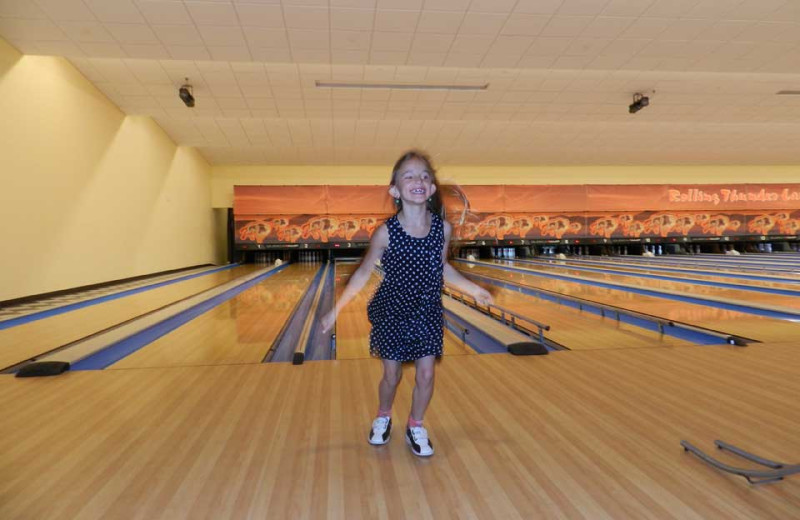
561, 74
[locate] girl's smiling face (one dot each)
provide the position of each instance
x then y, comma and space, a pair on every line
413, 182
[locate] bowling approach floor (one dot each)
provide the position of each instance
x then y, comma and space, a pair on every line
582, 434
591, 433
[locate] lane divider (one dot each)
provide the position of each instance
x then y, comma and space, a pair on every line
107, 347
771, 311
35, 316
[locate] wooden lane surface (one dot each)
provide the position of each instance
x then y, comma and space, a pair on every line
689, 288
574, 435
634, 270
581, 330
723, 320
32, 339
14, 311
751, 258
778, 269
240, 330
352, 325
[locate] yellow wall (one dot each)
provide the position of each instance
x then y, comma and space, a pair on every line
87, 194
225, 177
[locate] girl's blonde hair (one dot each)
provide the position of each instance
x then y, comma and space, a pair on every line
434, 201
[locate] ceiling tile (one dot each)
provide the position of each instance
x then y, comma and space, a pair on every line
164, 12
712, 8
582, 7
102, 49
647, 28
86, 32
565, 26
311, 40
626, 7
537, 6
21, 9
606, 27
432, 43
396, 20
400, 4
671, 9
219, 35
271, 54
352, 19
467, 44
67, 10
263, 37
59, 48
178, 35
442, 22
716, 66
350, 40
260, 15
230, 52
116, 11
188, 52
306, 17
30, 30
311, 55
212, 13
390, 41
524, 25
131, 33
767, 31
388, 57
349, 56
482, 23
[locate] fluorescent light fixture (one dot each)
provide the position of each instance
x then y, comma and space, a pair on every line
398, 86
788, 92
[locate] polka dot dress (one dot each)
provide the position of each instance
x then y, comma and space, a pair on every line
406, 310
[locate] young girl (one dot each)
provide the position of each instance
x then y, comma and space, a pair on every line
406, 310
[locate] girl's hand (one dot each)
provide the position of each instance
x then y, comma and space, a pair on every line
482, 296
328, 321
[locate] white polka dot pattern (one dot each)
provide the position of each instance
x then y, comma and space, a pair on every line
406, 310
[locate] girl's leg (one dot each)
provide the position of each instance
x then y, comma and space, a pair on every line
392, 373
423, 390
387, 388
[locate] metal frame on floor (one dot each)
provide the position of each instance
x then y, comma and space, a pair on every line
778, 470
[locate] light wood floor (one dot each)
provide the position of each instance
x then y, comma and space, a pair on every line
788, 282
732, 322
636, 280
590, 434
580, 330
33, 339
239, 330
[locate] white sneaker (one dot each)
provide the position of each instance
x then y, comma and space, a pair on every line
381, 431
417, 439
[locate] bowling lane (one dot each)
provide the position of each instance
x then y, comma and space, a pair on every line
29, 340
581, 330
352, 325
629, 269
714, 318
632, 280
720, 264
240, 330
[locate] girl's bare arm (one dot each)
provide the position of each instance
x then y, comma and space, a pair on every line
377, 245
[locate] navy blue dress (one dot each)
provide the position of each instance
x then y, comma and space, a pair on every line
406, 310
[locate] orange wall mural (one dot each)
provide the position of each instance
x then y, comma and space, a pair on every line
323, 214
